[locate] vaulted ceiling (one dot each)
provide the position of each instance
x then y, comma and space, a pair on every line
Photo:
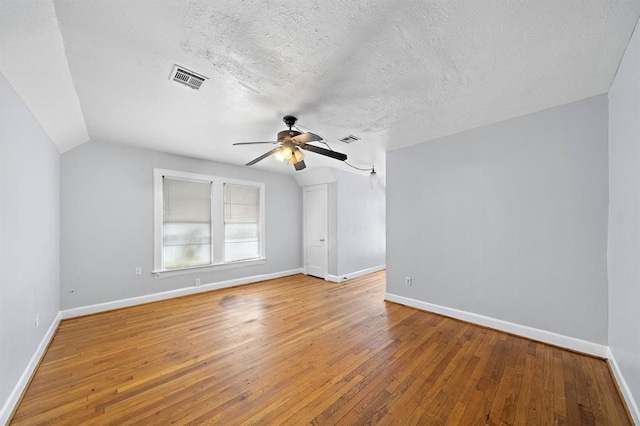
392, 73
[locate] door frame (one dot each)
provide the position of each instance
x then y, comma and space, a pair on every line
306, 190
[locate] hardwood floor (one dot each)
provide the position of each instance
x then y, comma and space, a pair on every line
301, 350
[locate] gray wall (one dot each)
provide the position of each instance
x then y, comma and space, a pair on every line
107, 222
360, 223
507, 221
624, 217
29, 236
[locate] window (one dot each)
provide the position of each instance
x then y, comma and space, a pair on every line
206, 222
186, 228
241, 222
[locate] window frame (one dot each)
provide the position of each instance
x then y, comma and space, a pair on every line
217, 223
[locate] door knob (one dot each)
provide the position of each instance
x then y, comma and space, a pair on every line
322, 240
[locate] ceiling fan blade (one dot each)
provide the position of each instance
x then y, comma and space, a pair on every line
253, 143
307, 137
263, 156
333, 154
300, 165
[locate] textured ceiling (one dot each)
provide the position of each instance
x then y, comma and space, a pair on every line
393, 73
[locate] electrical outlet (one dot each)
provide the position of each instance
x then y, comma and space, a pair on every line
37, 320
198, 281
138, 270
408, 281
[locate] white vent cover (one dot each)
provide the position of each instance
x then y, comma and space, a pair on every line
349, 139
186, 77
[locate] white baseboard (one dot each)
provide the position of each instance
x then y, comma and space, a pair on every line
351, 275
624, 388
18, 389
124, 303
544, 336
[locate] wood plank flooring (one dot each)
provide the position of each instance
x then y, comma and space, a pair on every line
300, 350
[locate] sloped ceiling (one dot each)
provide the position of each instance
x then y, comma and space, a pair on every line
32, 58
393, 73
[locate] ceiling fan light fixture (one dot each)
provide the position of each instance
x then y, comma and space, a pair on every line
373, 178
286, 151
296, 156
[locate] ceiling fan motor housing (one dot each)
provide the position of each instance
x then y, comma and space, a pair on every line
287, 134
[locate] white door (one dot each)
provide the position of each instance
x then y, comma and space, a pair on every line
316, 248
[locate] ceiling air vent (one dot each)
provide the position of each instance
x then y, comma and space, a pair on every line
349, 139
186, 77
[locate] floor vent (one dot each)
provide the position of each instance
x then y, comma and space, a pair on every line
349, 139
186, 77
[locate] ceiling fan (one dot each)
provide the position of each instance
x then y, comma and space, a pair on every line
290, 142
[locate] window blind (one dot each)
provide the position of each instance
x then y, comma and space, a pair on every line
241, 222
186, 223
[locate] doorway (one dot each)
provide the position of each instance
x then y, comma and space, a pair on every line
316, 247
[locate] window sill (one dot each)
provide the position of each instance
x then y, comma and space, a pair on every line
208, 268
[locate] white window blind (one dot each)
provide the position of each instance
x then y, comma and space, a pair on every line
241, 222
186, 223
